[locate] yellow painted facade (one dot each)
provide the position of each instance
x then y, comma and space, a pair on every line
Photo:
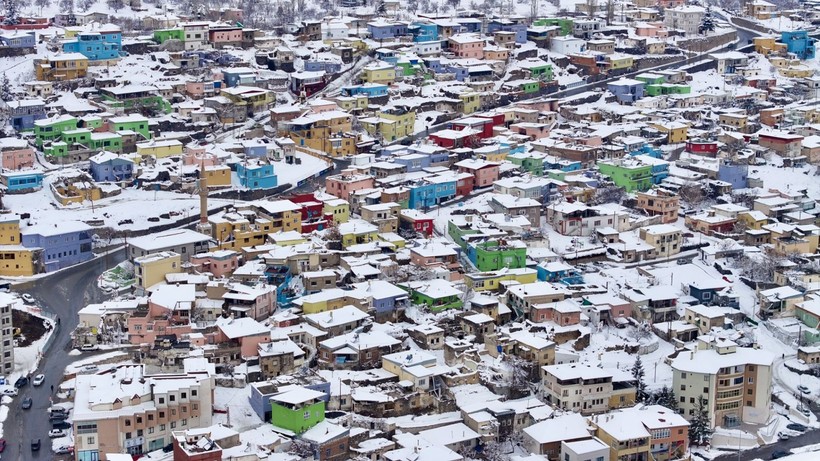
152, 268
386, 75
218, 176
235, 235
16, 261
340, 210
491, 281
358, 238
73, 194
471, 102
676, 133
60, 68
620, 62
159, 149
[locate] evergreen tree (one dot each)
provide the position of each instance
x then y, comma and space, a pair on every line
12, 13
381, 8
707, 24
666, 397
640, 385
699, 428
5, 89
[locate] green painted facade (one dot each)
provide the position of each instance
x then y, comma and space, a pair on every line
631, 179
435, 304
457, 233
489, 256
667, 88
160, 36
531, 164
651, 81
407, 68
139, 126
564, 24
299, 418
95, 141
46, 132
152, 102
541, 72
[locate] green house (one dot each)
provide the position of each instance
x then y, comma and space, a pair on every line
529, 162
564, 24
493, 255
459, 230
407, 68
133, 122
631, 176
436, 294
650, 78
50, 129
667, 88
84, 137
160, 36
298, 409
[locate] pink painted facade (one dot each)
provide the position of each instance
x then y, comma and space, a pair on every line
256, 303
532, 130
198, 156
248, 345
225, 36
485, 175
547, 313
219, 263
16, 159
342, 185
157, 321
467, 46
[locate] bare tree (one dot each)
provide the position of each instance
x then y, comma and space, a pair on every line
610, 11
692, 194
591, 7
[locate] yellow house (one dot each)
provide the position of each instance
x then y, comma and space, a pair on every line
332, 299
736, 120
620, 61
152, 268
391, 237
288, 238
471, 102
339, 208
218, 176
796, 71
159, 148
623, 444
491, 281
330, 132
248, 97
77, 192
234, 233
379, 72
766, 45
351, 103
16, 260
66, 66
676, 132
753, 220
10, 229
357, 231
390, 125
283, 215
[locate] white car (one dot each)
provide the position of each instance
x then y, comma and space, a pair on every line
89, 347
10, 391
54, 433
28, 298
39, 380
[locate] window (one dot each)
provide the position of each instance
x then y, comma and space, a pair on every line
90, 440
173, 424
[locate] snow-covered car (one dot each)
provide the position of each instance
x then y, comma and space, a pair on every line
89, 347
54, 433
803, 389
63, 450
38, 380
28, 298
8, 391
783, 436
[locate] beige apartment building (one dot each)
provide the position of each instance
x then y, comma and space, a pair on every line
735, 382
586, 389
665, 238
125, 410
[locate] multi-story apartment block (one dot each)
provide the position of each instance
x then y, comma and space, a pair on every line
657, 202
735, 382
6, 335
585, 388
125, 410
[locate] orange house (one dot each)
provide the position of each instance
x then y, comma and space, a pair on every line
342, 185
169, 313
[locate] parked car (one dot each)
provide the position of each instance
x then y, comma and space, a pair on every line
28, 298
57, 409
783, 436
63, 450
803, 389
35, 444
10, 391
27, 402
796, 427
62, 424
87, 369
90, 347
54, 433
38, 380
58, 417
780, 454
2, 445
21, 381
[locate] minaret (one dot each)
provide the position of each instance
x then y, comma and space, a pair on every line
202, 184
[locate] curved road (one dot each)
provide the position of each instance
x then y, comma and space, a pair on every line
63, 294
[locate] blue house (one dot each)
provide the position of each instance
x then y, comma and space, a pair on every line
382, 30
97, 44
255, 148
262, 392
713, 293
22, 181
558, 272
25, 112
256, 175
239, 76
387, 55
648, 151
469, 25
734, 174
660, 168
799, 43
63, 246
108, 166
557, 163
387, 298
434, 64
372, 90
626, 90
423, 32
18, 39
413, 162
461, 72
431, 192
506, 25
328, 66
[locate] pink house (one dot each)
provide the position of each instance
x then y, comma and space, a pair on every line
246, 332
257, 302
220, 263
227, 36
651, 29
16, 154
532, 130
347, 182
485, 173
467, 46
198, 156
322, 105
562, 313
435, 254
169, 313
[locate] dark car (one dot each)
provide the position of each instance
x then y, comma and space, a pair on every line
35, 444
2, 445
58, 417
21, 381
796, 427
27, 402
60, 425
780, 454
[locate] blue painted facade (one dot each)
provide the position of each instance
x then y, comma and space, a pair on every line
20, 39
413, 162
260, 401
566, 275
736, 175
372, 90
561, 164
799, 43
63, 246
20, 182
23, 114
519, 29
109, 167
387, 55
383, 31
425, 194
468, 25
96, 45
626, 91
256, 176
649, 151
423, 32
461, 72
237, 77
327, 66
434, 64
255, 149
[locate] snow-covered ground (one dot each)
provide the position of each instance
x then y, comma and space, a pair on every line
235, 401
